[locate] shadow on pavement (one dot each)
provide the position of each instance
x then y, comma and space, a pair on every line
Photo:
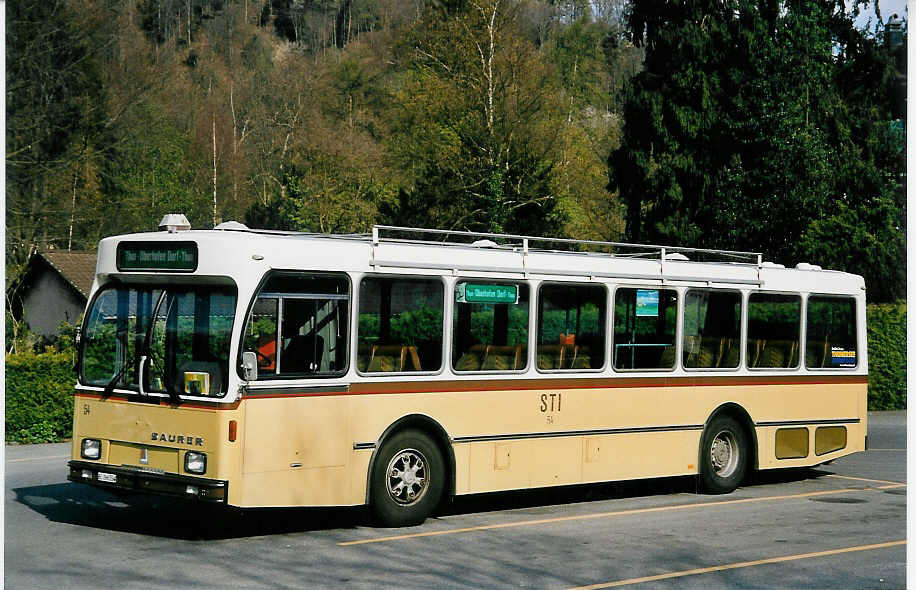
174, 518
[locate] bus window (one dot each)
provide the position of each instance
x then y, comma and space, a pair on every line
773, 325
189, 345
831, 332
490, 327
571, 327
182, 331
400, 325
712, 329
645, 323
116, 330
298, 326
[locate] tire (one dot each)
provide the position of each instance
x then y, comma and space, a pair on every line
723, 455
407, 480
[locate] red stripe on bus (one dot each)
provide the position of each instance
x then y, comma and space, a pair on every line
401, 387
123, 398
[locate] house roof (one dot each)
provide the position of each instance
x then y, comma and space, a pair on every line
77, 268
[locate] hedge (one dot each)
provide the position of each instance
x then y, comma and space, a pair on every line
39, 397
887, 356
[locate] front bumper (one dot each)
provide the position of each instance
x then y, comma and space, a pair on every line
141, 481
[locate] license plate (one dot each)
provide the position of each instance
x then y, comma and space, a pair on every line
107, 477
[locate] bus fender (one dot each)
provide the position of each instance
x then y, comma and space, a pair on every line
428, 425
740, 414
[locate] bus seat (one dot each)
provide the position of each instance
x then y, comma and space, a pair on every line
550, 356
387, 358
754, 355
472, 359
819, 356
774, 354
731, 353
501, 358
581, 358
666, 360
363, 353
692, 348
414, 358
709, 353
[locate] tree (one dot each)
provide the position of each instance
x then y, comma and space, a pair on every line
751, 127
475, 123
149, 176
55, 113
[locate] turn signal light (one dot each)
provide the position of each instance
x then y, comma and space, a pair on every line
233, 430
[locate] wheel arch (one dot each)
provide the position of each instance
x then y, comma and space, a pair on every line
431, 428
737, 412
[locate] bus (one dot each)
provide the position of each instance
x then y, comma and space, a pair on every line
401, 368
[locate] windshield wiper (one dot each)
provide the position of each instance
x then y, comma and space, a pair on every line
109, 389
147, 348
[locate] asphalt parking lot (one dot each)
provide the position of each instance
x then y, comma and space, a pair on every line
842, 525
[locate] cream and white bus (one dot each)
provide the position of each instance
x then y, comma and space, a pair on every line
401, 368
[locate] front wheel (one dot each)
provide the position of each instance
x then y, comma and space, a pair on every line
723, 455
407, 480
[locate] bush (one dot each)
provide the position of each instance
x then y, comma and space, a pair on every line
39, 397
887, 356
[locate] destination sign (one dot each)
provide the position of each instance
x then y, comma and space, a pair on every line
151, 256
481, 293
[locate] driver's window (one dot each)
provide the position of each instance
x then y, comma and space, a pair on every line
298, 326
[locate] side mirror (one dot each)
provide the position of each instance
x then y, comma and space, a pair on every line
250, 366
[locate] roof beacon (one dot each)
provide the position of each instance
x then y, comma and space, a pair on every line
174, 222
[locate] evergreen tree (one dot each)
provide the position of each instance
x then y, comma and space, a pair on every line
760, 126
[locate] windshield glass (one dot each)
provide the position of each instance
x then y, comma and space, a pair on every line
183, 333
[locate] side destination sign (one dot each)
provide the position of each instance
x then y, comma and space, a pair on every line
157, 256
478, 293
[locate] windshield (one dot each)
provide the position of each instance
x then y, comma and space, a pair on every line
173, 341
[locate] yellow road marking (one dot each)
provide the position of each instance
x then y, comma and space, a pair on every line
732, 566
894, 483
597, 515
37, 458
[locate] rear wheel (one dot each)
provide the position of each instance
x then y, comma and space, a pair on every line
723, 455
407, 480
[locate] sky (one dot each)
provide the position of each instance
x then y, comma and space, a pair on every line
888, 7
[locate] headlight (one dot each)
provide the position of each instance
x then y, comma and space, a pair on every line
91, 448
195, 462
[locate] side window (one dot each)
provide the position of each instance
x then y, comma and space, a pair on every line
298, 326
831, 332
490, 327
712, 329
773, 325
645, 324
400, 325
571, 320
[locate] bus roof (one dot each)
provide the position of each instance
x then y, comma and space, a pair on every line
245, 254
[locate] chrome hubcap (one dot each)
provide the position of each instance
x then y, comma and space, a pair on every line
407, 478
724, 453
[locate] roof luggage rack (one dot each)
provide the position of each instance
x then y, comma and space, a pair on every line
524, 244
